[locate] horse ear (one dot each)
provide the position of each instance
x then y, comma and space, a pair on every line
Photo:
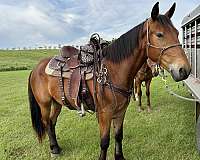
155, 11
171, 11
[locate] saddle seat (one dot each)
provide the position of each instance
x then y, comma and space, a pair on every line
69, 66
68, 51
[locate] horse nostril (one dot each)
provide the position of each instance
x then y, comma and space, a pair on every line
182, 72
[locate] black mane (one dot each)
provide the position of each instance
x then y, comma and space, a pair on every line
124, 46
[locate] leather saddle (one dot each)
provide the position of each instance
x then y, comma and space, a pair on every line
68, 65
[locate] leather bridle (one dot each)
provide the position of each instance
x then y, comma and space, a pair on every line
162, 49
127, 93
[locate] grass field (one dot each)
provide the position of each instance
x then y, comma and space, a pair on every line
22, 59
168, 133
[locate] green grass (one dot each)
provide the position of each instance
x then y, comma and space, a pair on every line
168, 133
22, 59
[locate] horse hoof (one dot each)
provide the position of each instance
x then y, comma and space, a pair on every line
55, 152
149, 110
140, 109
119, 157
53, 155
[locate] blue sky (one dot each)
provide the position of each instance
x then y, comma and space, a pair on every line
34, 23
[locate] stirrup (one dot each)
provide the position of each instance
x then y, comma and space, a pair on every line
81, 112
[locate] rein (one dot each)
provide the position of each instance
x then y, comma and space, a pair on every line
162, 49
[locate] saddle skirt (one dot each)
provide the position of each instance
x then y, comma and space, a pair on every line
77, 73
53, 69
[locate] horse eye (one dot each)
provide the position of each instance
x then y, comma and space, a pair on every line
159, 34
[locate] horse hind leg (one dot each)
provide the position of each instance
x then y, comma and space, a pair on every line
36, 114
55, 111
139, 93
136, 89
43, 118
147, 83
49, 116
133, 90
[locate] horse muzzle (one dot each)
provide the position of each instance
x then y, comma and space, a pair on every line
180, 73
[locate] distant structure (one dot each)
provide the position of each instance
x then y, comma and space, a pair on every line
191, 45
191, 39
40, 47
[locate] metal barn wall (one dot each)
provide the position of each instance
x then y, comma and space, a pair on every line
198, 47
191, 44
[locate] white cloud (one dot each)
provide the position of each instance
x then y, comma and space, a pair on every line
26, 23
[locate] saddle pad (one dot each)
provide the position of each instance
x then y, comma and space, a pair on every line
67, 74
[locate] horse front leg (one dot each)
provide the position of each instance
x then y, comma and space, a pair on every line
118, 130
104, 119
147, 83
54, 147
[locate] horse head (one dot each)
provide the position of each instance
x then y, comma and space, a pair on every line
163, 46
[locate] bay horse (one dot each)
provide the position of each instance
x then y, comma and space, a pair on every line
155, 38
148, 70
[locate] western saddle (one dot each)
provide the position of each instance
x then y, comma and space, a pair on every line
77, 66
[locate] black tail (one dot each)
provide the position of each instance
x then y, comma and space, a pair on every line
37, 123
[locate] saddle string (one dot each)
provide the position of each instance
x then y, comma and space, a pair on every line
95, 67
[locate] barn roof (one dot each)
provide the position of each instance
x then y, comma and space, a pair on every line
191, 16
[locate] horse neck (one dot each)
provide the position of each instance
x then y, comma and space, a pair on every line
123, 73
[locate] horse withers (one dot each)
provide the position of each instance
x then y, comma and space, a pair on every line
148, 70
155, 38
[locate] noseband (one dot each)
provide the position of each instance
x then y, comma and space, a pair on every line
162, 49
